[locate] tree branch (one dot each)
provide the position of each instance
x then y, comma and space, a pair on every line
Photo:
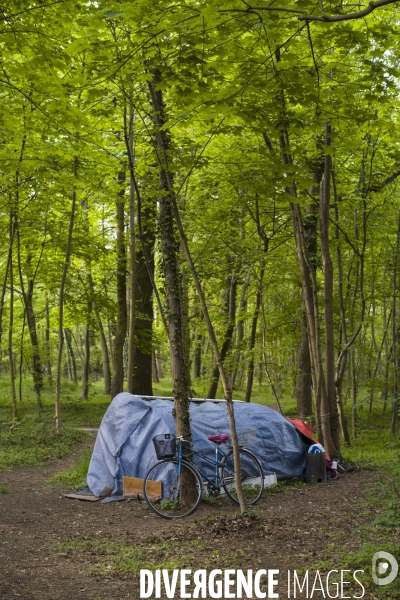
303, 16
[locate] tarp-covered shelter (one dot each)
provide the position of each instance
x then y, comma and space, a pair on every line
124, 442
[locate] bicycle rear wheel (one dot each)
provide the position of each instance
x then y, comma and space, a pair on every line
181, 490
251, 475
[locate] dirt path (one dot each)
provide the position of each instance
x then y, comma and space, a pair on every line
36, 522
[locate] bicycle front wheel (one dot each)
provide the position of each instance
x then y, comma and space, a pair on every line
251, 476
180, 491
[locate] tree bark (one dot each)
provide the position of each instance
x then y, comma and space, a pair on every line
129, 143
227, 343
70, 356
252, 340
328, 292
86, 364
198, 347
61, 301
240, 328
162, 150
395, 336
303, 383
11, 322
142, 369
170, 266
47, 342
105, 356
117, 385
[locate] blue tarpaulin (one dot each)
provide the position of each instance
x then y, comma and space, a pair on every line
124, 442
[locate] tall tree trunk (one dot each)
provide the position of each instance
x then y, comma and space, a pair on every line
240, 328
303, 383
252, 340
227, 343
70, 356
61, 301
129, 143
328, 292
86, 364
304, 374
165, 179
142, 369
27, 295
395, 336
198, 347
117, 385
310, 297
154, 368
105, 356
47, 342
170, 265
11, 323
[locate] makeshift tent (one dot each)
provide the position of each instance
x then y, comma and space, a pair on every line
124, 442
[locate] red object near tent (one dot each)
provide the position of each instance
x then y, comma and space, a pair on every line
307, 432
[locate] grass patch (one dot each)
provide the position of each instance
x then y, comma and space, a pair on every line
75, 476
116, 557
3, 490
33, 443
362, 559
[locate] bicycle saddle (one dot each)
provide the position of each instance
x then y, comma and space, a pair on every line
219, 438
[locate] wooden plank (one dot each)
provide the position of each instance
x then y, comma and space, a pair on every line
88, 498
133, 488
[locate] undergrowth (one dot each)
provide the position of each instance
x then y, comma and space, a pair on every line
30, 443
75, 476
118, 557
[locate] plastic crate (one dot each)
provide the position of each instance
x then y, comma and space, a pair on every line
164, 445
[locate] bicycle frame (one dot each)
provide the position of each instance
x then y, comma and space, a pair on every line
219, 455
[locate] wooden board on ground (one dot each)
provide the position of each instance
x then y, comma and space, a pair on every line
133, 488
88, 496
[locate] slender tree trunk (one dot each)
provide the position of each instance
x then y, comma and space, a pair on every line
252, 340
70, 356
86, 364
129, 143
31, 320
240, 328
226, 346
328, 292
172, 209
170, 265
11, 324
303, 383
105, 356
47, 342
142, 367
117, 385
310, 296
395, 336
154, 368
61, 302
159, 365
198, 347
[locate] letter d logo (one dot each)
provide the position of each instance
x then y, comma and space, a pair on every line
380, 568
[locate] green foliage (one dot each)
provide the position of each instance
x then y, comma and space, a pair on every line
123, 557
361, 559
33, 443
75, 476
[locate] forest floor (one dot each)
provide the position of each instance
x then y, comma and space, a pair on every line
53, 547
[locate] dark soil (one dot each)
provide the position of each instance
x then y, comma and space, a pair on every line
292, 530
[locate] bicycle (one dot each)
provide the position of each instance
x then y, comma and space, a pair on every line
183, 483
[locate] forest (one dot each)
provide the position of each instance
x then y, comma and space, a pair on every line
206, 194
199, 199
